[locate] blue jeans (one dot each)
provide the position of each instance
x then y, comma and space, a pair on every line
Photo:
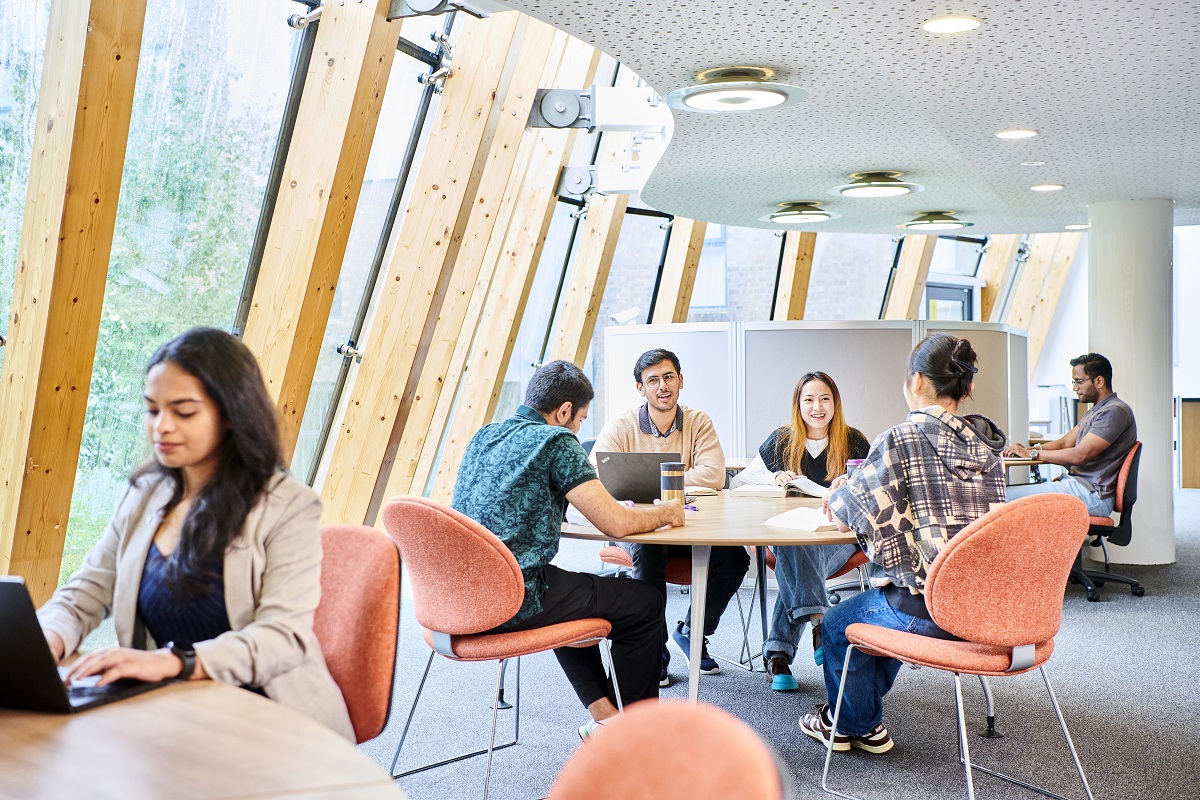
801, 572
869, 677
1097, 506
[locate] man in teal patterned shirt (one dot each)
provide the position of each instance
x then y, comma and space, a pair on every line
516, 479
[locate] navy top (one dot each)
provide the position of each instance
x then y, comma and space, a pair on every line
167, 619
514, 480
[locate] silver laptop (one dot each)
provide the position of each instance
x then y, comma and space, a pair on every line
632, 476
29, 679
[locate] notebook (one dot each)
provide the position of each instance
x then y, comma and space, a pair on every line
800, 486
801, 519
29, 678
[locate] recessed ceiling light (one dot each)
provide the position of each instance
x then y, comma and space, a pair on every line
1032, 163
1077, 227
728, 89
800, 213
1047, 187
879, 183
936, 221
1018, 133
952, 23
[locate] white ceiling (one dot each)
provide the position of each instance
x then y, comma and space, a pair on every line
1112, 85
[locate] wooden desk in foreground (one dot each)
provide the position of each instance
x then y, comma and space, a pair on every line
723, 520
191, 740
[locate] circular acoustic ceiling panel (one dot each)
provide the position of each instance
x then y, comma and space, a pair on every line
1110, 85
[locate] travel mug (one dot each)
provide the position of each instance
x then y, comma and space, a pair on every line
671, 480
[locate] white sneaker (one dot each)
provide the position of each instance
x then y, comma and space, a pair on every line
588, 729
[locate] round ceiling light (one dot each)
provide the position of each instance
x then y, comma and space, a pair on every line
1017, 133
1077, 227
879, 183
1032, 163
951, 23
727, 89
1047, 187
800, 212
936, 221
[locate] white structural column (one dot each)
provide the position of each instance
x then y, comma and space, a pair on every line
1129, 321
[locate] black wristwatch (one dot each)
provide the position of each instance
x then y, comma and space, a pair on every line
187, 654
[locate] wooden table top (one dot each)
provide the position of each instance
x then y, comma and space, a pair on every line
1021, 462
199, 739
727, 520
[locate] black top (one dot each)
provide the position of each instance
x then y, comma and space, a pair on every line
815, 469
167, 618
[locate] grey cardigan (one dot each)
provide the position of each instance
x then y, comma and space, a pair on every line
272, 578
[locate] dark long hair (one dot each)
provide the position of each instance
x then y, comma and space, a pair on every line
250, 453
947, 362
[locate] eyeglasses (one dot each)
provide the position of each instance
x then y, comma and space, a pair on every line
670, 379
1076, 382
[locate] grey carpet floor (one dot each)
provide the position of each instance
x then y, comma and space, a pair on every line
1126, 671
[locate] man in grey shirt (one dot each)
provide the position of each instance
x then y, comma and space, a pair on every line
1093, 450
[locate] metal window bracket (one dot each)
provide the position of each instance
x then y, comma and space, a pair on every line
348, 350
302, 21
436, 79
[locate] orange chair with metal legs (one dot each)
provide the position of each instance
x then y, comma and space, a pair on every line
998, 586
464, 583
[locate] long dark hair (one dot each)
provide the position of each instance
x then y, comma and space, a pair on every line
250, 453
947, 363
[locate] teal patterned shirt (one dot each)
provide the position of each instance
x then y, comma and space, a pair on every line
514, 480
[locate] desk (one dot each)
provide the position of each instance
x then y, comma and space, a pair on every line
723, 520
199, 739
1012, 462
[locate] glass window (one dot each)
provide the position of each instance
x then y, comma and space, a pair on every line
400, 112
849, 275
957, 255
212, 83
22, 51
735, 281
708, 292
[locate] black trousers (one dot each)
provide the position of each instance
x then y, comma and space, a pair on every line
726, 568
635, 612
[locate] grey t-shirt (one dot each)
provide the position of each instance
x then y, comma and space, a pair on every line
1112, 420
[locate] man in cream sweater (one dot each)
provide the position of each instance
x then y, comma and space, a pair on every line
661, 425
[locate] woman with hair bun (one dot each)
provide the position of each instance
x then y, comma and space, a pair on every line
211, 564
923, 481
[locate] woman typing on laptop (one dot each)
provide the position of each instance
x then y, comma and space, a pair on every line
211, 564
815, 445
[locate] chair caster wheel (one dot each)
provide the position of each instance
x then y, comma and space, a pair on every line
1093, 597
834, 599
1137, 591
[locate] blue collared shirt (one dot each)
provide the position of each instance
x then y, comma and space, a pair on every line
514, 480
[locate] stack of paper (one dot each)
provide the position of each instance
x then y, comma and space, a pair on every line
757, 490
801, 519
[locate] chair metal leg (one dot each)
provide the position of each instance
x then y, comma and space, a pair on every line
500, 697
837, 712
1066, 733
745, 658
963, 749
990, 732
612, 673
487, 773
411, 711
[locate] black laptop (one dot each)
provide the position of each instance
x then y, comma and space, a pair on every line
29, 679
633, 476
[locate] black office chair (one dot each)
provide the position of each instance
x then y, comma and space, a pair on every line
1103, 529
588, 444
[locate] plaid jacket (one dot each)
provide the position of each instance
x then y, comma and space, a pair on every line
923, 481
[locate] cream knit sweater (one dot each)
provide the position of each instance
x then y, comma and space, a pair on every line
697, 444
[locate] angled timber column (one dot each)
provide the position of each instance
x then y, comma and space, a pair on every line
794, 273
996, 272
1039, 287
322, 177
539, 60
679, 271
84, 107
908, 284
427, 244
469, 399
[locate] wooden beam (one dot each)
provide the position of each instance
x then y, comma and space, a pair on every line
84, 107
996, 272
795, 271
679, 271
461, 415
596, 245
322, 178
538, 62
398, 334
908, 284
1057, 269
1023, 301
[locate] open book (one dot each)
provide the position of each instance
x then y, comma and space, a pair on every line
801, 519
797, 486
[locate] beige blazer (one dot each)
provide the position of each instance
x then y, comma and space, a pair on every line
272, 578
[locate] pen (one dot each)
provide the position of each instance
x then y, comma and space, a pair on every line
691, 508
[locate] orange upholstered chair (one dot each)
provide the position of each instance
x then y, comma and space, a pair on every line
672, 749
998, 586
1119, 532
358, 620
464, 583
